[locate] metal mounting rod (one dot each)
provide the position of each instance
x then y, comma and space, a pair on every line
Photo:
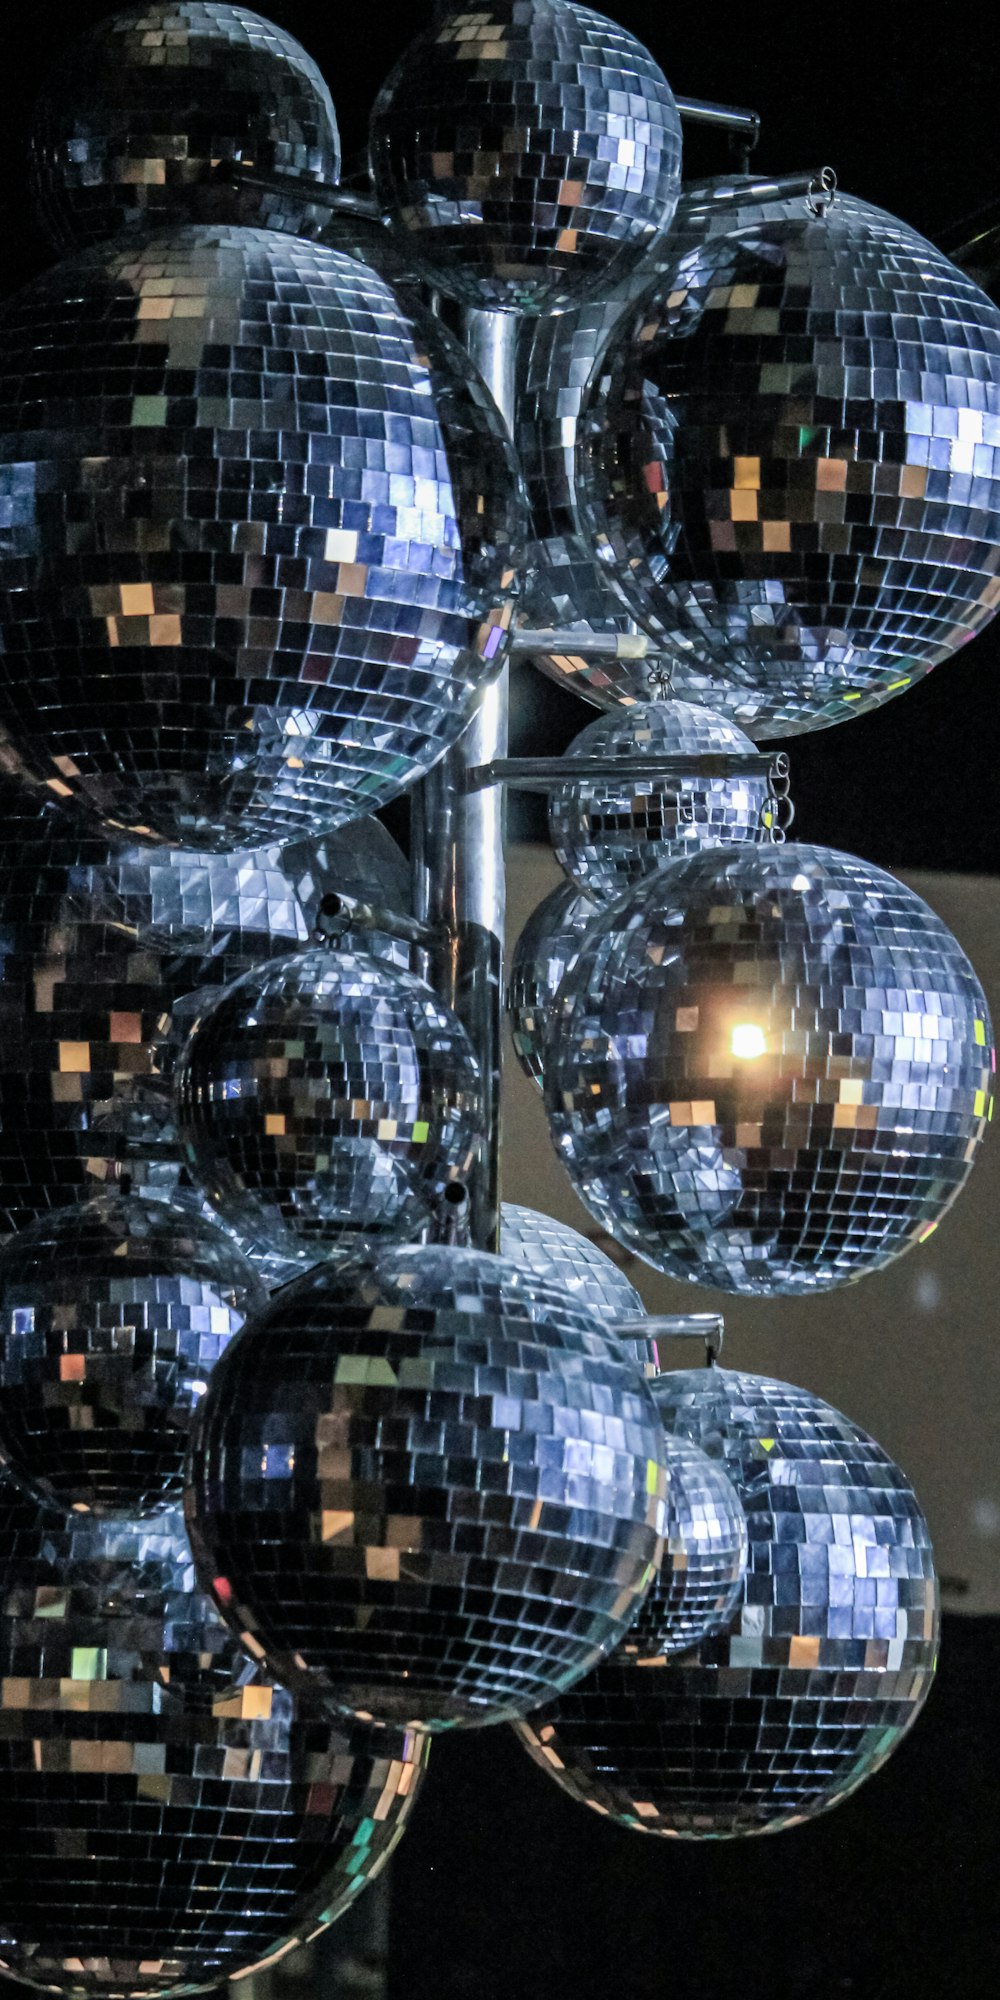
338, 914
331, 194
544, 774
585, 645
745, 189
730, 117
456, 842
655, 1328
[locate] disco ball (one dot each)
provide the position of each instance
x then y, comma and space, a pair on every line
105, 951
146, 116
770, 1069
547, 947
559, 1254
527, 151
827, 1662
242, 603
431, 1488
112, 1315
568, 589
178, 1817
326, 1101
610, 834
844, 536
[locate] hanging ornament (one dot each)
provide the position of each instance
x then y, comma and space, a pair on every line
791, 482
179, 1819
610, 834
112, 1315
327, 1101
462, 1482
148, 117
769, 1069
826, 1663
106, 950
242, 603
559, 1254
546, 949
529, 150
568, 589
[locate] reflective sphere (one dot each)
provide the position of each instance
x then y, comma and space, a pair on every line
568, 588
145, 117
106, 951
844, 536
432, 1488
327, 1100
178, 1817
529, 150
611, 833
559, 1254
770, 1069
546, 948
258, 537
112, 1315
827, 1662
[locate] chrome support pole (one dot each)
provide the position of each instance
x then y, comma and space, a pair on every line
456, 841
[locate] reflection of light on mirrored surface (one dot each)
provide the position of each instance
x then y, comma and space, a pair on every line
747, 1040
927, 1291
986, 1517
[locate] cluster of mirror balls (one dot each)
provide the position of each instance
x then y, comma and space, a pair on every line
263, 540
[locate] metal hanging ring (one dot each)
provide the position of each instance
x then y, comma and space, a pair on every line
822, 192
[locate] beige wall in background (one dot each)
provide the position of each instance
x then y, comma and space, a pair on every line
911, 1352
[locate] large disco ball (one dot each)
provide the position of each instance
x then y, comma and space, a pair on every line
254, 593
792, 481
430, 1488
327, 1101
175, 1817
112, 1315
106, 950
827, 1662
527, 150
149, 115
546, 949
568, 589
611, 833
552, 1250
769, 1069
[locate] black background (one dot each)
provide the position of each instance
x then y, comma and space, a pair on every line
505, 1890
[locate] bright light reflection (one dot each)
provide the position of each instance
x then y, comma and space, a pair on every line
748, 1040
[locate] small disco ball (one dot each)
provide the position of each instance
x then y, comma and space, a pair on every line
462, 1482
770, 1069
179, 1818
106, 949
610, 834
112, 1315
844, 536
559, 1254
568, 589
243, 603
149, 116
826, 1663
526, 151
327, 1101
547, 947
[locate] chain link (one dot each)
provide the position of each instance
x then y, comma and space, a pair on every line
659, 680
822, 193
778, 812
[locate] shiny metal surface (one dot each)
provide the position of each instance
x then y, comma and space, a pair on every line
179, 1818
144, 118
106, 950
610, 835
552, 1250
325, 1102
507, 152
112, 1316
431, 1488
827, 1662
546, 949
458, 858
281, 565
770, 1069
845, 538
